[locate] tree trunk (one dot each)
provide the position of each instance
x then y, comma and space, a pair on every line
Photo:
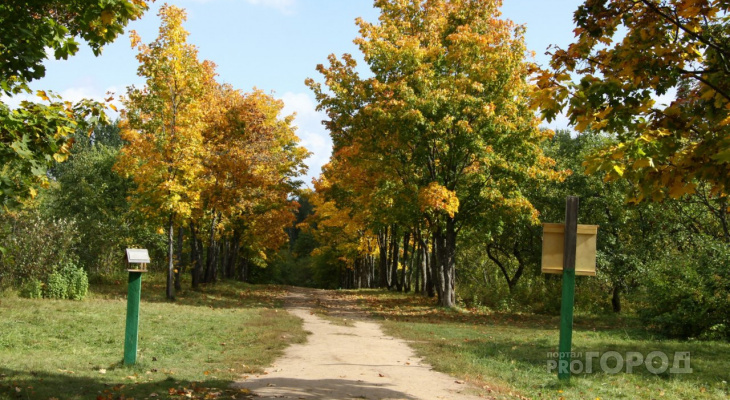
196, 257
446, 250
437, 275
233, 255
417, 249
170, 260
179, 258
211, 259
383, 247
404, 284
616, 298
431, 276
243, 270
371, 274
394, 260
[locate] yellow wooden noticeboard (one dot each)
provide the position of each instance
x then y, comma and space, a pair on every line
585, 249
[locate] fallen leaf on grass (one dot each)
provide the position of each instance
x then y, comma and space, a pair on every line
102, 371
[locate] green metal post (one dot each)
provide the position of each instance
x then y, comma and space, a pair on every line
566, 324
566, 303
134, 292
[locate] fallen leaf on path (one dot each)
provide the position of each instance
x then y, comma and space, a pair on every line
459, 382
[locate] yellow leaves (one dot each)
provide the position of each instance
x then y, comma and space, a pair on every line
643, 163
679, 189
619, 170
134, 38
602, 114
60, 157
107, 17
43, 95
438, 198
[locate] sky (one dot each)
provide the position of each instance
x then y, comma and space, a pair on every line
274, 45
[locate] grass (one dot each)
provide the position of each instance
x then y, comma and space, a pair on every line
506, 354
194, 347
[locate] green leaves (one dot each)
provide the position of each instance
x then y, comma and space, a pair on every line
35, 135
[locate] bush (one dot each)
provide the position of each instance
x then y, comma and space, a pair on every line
57, 286
33, 246
68, 282
32, 289
686, 294
78, 281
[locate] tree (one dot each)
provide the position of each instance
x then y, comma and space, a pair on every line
251, 162
86, 190
443, 126
625, 54
35, 135
163, 124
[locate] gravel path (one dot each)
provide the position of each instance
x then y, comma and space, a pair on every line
349, 362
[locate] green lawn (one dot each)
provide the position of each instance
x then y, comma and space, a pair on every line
507, 354
191, 348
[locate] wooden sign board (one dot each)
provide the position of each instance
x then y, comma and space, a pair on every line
138, 256
553, 246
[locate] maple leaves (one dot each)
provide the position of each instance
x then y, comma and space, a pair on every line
674, 49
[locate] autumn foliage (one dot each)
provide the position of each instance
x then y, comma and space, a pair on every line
439, 137
206, 156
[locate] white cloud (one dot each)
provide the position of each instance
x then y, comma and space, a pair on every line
310, 130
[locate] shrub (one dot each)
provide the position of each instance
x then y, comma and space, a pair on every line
32, 289
33, 246
77, 280
57, 286
687, 293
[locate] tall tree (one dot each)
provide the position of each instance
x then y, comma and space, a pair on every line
628, 52
163, 125
443, 123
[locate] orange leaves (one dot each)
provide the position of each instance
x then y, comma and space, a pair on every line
435, 197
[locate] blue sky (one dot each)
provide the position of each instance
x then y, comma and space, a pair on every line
274, 45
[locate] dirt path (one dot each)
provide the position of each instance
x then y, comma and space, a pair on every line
349, 362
